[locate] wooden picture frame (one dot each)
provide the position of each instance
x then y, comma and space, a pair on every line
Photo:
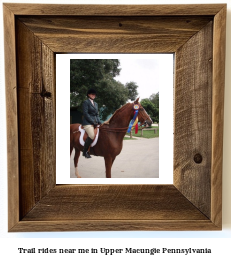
33, 34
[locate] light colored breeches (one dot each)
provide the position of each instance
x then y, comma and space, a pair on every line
90, 131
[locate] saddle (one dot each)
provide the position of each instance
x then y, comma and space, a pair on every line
84, 135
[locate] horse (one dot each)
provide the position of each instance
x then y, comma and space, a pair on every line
111, 134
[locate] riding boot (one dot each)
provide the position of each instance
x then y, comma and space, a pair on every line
87, 144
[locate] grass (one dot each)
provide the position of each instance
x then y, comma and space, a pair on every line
148, 134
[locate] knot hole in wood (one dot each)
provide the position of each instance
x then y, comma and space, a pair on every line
198, 158
46, 94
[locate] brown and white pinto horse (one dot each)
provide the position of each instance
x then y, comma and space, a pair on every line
111, 134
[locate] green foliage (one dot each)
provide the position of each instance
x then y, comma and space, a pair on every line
151, 105
154, 98
132, 90
99, 74
147, 134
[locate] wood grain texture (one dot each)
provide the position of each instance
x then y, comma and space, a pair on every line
11, 116
218, 114
111, 207
193, 113
115, 34
114, 10
114, 225
194, 201
35, 66
113, 202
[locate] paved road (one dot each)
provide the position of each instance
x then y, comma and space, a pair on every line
138, 159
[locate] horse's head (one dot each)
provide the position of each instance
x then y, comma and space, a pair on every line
143, 117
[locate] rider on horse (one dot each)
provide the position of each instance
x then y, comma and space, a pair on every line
90, 120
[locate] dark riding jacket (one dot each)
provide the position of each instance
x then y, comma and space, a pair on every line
90, 113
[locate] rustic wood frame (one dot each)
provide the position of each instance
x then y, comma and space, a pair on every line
33, 34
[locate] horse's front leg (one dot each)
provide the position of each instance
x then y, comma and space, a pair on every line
76, 158
108, 164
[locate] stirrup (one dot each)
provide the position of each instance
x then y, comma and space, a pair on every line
87, 155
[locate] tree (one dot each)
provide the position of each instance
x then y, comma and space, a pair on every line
87, 73
151, 105
154, 98
111, 95
99, 74
132, 90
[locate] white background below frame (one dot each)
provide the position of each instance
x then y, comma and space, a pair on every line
63, 120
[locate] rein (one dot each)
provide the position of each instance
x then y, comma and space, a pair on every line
125, 129
121, 130
114, 129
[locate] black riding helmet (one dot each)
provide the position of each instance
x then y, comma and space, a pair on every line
91, 91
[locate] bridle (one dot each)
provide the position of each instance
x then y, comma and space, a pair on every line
145, 118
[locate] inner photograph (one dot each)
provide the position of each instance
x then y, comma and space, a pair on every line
115, 117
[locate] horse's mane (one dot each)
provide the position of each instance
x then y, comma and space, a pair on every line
115, 113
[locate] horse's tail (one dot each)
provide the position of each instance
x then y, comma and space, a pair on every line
73, 129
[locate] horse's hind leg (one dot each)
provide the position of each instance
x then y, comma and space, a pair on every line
76, 158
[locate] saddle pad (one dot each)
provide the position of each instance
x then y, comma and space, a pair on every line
82, 132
